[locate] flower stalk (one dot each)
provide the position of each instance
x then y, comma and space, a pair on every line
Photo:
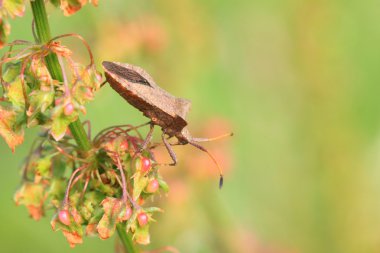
44, 36
126, 239
76, 128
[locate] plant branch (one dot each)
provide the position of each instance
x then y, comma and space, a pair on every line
126, 239
44, 36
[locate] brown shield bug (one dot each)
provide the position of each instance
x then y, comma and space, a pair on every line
165, 110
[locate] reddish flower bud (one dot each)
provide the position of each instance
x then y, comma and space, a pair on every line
64, 217
142, 218
128, 213
124, 145
145, 164
152, 186
68, 110
140, 201
58, 101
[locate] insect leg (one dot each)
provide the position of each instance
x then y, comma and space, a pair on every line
170, 150
155, 145
103, 83
148, 138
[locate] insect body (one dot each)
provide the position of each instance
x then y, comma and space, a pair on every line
165, 110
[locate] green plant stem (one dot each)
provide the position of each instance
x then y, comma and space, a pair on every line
44, 36
126, 239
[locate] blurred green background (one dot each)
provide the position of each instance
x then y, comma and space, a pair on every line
298, 84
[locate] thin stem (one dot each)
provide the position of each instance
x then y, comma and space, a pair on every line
124, 184
69, 185
126, 239
44, 36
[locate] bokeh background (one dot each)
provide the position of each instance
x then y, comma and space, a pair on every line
298, 84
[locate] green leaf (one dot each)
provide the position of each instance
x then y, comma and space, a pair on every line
153, 209
86, 85
132, 222
139, 184
75, 198
163, 185
105, 188
113, 209
9, 8
11, 71
61, 122
111, 175
39, 101
141, 235
39, 74
97, 215
14, 7
43, 166
59, 127
55, 2
8, 128
73, 232
13, 86
57, 190
90, 204
32, 196
15, 93
69, 7
5, 30
59, 166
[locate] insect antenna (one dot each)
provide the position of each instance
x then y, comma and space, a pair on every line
212, 139
213, 159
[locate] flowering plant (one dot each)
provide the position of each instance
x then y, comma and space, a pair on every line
96, 186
